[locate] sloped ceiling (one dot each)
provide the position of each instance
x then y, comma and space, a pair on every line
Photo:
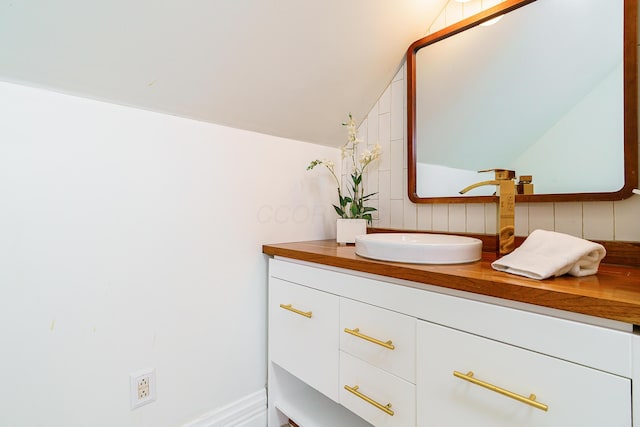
281, 67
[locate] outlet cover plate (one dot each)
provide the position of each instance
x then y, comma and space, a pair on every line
143, 387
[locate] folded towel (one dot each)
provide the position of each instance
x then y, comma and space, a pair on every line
547, 253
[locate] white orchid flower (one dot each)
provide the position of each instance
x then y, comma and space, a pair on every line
352, 202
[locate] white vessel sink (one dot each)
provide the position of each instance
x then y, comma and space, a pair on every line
419, 248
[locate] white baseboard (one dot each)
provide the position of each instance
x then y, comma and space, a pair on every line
250, 411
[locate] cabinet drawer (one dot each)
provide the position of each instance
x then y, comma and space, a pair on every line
383, 338
575, 395
372, 390
302, 334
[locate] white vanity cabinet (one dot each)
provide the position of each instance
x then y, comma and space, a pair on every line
353, 349
304, 357
377, 396
377, 363
466, 380
302, 325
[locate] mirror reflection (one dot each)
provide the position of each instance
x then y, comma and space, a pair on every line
540, 92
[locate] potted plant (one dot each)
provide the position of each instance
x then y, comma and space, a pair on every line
353, 214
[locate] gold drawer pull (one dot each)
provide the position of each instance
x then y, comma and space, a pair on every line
301, 313
356, 332
384, 408
531, 400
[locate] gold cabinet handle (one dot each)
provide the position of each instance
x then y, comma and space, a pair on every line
531, 400
384, 408
295, 310
356, 332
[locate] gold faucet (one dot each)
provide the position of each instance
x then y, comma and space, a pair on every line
504, 179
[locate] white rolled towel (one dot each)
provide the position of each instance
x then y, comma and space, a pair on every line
548, 253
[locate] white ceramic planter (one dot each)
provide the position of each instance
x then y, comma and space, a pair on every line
348, 229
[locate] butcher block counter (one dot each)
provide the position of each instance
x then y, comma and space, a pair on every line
613, 293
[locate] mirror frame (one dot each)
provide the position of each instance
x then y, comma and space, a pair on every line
630, 60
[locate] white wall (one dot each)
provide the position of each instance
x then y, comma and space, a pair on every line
130, 239
386, 124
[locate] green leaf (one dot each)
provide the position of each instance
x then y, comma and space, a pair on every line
339, 211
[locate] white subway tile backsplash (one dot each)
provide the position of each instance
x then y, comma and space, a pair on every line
457, 218
522, 219
397, 109
363, 131
410, 211
384, 139
384, 200
384, 103
627, 219
568, 218
375, 203
397, 169
396, 208
597, 220
475, 218
491, 218
372, 185
384, 216
541, 216
384, 184
372, 125
405, 149
360, 148
405, 184
440, 217
425, 215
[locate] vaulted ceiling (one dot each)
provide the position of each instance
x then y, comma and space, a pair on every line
281, 67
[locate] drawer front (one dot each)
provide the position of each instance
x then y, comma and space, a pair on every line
303, 336
372, 389
383, 338
575, 395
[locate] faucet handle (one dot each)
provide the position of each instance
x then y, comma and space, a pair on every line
502, 173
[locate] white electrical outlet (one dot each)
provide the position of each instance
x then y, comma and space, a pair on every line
143, 387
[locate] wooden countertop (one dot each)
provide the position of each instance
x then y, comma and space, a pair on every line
613, 293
